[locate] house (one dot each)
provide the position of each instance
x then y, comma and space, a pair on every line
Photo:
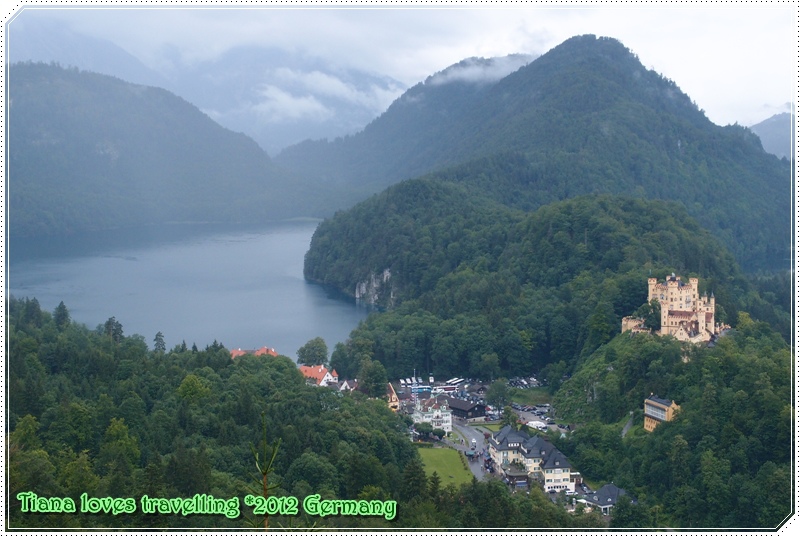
435, 412
466, 410
684, 314
348, 385
391, 398
605, 498
657, 410
319, 375
263, 351
513, 451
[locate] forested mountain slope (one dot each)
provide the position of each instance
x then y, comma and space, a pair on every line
777, 135
477, 287
95, 412
88, 151
586, 117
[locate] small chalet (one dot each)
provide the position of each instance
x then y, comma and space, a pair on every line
263, 351
605, 498
348, 385
319, 375
391, 398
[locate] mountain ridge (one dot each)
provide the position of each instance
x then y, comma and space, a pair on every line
585, 117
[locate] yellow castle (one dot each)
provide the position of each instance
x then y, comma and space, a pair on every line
684, 314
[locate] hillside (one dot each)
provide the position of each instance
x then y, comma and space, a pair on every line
89, 151
777, 135
586, 117
473, 287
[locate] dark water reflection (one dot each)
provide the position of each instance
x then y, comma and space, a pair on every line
240, 285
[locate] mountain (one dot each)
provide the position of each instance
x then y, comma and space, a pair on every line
89, 151
459, 276
277, 97
420, 131
280, 97
776, 134
47, 40
586, 117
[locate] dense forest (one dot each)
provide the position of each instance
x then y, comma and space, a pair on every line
482, 291
97, 412
725, 461
479, 289
584, 118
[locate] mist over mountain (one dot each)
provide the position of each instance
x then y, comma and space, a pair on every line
776, 134
275, 96
586, 117
43, 39
280, 98
89, 151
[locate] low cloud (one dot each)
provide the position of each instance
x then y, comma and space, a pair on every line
480, 70
319, 84
279, 106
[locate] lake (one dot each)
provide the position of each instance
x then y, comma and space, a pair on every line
240, 285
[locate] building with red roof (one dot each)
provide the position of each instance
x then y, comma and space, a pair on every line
320, 375
263, 351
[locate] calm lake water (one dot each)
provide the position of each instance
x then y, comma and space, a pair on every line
241, 286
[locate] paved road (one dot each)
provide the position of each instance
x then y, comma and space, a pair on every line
470, 433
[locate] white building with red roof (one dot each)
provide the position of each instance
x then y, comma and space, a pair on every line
320, 375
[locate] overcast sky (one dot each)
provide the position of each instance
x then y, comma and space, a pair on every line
738, 64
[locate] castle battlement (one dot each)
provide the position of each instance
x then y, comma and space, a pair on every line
684, 314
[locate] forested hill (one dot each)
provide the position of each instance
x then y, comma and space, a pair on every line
89, 151
465, 278
585, 117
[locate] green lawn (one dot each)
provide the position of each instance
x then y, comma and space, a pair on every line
447, 463
530, 396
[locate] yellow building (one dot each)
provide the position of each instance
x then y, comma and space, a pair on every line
684, 314
392, 399
657, 410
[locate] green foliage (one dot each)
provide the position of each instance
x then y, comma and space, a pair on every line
501, 293
585, 118
497, 394
314, 352
728, 440
113, 418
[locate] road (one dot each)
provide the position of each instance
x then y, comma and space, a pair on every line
470, 433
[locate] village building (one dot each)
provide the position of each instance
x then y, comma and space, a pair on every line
684, 314
391, 398
605, 498
263, 351
657, 410
466, 410
319, 375
519, 455
433, 411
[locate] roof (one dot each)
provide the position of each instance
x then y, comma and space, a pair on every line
460, 404
507, 435
235, 353
316, 372
658, 400
607, 495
